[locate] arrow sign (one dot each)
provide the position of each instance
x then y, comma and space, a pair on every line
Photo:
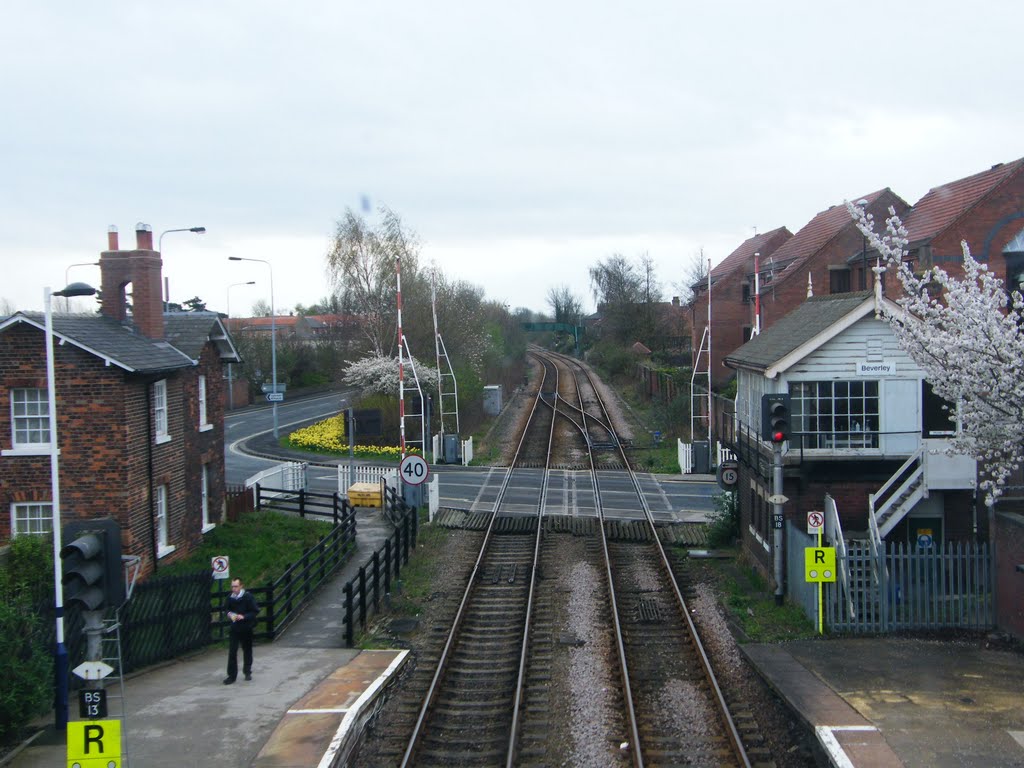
93, 670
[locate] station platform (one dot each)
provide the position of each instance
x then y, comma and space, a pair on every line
887, 701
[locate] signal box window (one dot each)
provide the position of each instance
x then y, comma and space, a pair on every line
835, 414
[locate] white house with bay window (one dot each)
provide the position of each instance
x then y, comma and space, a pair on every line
866, 427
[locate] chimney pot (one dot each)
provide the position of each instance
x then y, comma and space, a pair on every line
143, 237
112, 237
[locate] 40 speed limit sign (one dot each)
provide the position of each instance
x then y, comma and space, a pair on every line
414, 469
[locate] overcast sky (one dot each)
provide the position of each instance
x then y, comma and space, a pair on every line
522, 142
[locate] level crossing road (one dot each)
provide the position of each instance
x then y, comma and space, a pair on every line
474, 489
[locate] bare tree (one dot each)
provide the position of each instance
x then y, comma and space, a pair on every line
694, 273
361, 263
566, 306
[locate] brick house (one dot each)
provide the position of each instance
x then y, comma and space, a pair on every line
140, 409
732, 291
864, 423
827, 256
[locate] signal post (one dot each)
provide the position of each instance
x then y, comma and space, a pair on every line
775, 417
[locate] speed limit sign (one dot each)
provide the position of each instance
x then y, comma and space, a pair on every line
414, 469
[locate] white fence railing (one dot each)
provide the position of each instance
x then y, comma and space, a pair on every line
289, 476
724, 454
685, 452
433, 498
467, 451
349, 474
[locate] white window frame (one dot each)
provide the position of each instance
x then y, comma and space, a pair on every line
847, 422
204, 425
161, 429
25, 513
205, 500
162, 509
40, 422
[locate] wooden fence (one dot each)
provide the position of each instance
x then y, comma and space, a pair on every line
364, 593
914, 589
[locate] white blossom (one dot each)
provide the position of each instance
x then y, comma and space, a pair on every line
965, 334
379, 374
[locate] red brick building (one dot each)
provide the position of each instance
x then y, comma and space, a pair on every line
140, 413
986, 210
732, 300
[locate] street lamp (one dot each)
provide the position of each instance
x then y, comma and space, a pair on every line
160, 246
160, 240
231, 383
67, 279
60, 666
273, 333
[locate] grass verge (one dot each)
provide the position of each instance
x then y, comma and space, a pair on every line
261, 546
750, 603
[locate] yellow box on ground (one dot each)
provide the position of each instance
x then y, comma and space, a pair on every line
364, 495
94, 744
820, 563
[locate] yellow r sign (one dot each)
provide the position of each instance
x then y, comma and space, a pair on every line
94, 744
820, 564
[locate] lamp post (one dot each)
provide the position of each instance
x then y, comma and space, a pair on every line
231, 383
160, 246
60, 666
67, 279
273, 332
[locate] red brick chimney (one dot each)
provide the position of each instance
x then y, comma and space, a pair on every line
142, 269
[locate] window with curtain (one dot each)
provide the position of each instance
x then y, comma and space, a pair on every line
30, 418
31, 518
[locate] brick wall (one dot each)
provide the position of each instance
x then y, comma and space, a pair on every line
1010, 581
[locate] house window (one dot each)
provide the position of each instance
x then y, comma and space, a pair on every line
31, 518
935, 414
30, 417
746, 293
838, 281
203, 423
835, 414
162, 547
205, 501
160, 411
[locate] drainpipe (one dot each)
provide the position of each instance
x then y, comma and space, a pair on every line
149, 473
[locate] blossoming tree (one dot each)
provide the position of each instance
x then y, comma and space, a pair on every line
379, 374
966, 334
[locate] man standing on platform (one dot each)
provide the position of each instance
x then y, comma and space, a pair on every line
242, 610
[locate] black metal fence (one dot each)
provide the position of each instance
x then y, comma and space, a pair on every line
364, 593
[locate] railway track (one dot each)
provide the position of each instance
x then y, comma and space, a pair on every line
571, 643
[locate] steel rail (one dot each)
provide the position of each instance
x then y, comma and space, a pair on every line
431, 695
709, 673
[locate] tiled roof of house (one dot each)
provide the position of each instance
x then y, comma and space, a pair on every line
942, 206
795, 329
739, 258
116, 343
191, 331
793, 253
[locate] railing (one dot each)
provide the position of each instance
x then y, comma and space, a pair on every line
303, 502
290, 475
926, 589
910, 472
364, 473
467, 451
684, 452
834, 537
374, 582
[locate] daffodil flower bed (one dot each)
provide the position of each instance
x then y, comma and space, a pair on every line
328, 436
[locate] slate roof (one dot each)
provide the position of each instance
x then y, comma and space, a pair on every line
815, 235
795, 329
739, 258
190, 332
116, 343
942, 206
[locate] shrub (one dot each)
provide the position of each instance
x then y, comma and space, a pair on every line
724, 522
26, 579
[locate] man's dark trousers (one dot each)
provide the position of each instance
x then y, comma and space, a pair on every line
240, 635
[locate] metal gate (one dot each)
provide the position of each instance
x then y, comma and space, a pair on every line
908, 587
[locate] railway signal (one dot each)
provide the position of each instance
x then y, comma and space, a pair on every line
775, 418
